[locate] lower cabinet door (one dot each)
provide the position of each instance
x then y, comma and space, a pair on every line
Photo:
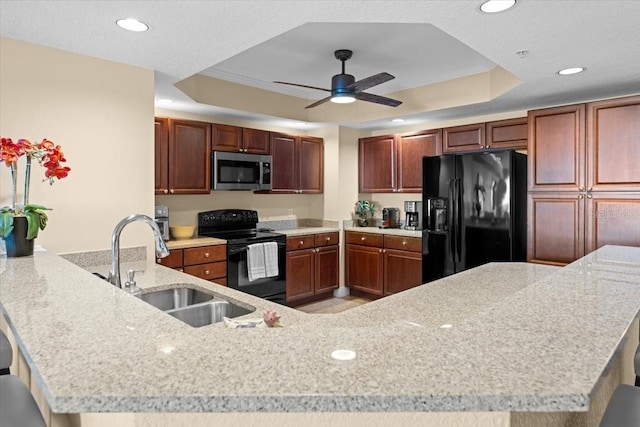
364, 268
402, 270
327, 269
612, 219
300, 274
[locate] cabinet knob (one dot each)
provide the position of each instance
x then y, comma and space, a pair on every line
159, 260
380, 250
301, 243
206, 272
404, 243
165, 191
206, 254
589, 196
580, 188
488, 145
581, 196
590, 189
363, 238
328, 239
171, 191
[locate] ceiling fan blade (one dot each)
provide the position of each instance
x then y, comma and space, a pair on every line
370, 81
308, 87
322, 101
377, 99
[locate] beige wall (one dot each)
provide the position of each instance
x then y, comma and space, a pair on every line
101, 113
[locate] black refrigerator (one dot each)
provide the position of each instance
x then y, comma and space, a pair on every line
474, 211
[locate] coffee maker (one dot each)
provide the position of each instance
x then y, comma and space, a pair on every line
413, 211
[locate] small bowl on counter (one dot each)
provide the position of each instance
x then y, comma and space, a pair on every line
182, 231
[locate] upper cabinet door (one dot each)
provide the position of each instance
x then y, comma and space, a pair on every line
556, 151
283, 175
411, 150
463, 138
377, 164
310, 164
162, 155
255, 141
227, 138
613, 145
510, 133
189, 157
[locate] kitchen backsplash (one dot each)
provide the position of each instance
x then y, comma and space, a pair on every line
292, 223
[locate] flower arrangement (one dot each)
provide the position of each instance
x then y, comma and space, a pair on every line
50, 156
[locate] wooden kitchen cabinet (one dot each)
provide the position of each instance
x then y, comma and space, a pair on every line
584, 179
312, 266
382, 265
182, 160
393, 163
458, 139
205, 262
511, 133
297, 164
238, 139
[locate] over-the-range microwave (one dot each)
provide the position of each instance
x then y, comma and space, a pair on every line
240, 171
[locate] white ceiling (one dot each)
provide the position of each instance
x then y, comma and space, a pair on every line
419, 42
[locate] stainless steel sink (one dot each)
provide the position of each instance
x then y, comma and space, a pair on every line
170, 299
208, 312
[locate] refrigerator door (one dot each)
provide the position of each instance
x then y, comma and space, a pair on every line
485, 209
437, 192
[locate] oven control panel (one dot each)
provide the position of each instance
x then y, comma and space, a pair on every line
226, 217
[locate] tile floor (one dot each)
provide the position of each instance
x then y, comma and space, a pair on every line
333, 305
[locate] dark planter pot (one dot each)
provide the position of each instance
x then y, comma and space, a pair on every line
16, 243
363, 222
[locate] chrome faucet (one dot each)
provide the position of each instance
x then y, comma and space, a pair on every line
161, 247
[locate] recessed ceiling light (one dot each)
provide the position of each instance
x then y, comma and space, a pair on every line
132, 25
397, 120
569, 71
494, 6
164, 101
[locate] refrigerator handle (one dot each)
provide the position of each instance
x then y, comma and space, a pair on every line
451, 217
459, 220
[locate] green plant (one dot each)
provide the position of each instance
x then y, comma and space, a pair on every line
36, 220
48, 155
365, 208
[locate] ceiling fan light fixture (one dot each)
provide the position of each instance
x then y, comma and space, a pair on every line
495, 6
343, 98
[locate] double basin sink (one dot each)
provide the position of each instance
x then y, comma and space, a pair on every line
193, 306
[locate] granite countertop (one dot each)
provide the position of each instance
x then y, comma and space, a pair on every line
194, 242
390, 231
501, 337
308, 230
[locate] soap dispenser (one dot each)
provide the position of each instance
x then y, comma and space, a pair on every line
130, 285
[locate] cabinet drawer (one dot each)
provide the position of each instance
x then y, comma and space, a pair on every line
193, 256
402, 243
212, 270
174, 260
300, 242
366, 239
327, 239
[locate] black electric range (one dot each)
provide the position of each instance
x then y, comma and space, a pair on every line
239, 228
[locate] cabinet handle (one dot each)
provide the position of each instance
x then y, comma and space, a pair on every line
165, 191
206, 254
581, 197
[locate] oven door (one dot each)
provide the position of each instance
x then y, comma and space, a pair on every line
269, 288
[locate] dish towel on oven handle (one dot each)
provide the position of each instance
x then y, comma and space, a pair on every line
271, 258
262, 260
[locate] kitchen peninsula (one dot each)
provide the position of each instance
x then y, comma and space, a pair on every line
509, 344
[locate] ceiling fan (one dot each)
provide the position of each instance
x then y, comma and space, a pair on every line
345, 88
